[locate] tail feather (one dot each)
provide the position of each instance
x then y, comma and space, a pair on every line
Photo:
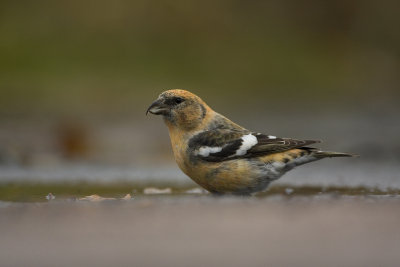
331, 154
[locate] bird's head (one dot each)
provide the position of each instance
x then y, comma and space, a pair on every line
180, 109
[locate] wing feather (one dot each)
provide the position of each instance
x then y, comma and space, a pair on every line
223, 144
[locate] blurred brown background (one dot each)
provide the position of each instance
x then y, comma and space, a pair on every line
76, 77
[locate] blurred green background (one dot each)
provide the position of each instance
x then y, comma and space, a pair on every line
73, 57
77, 76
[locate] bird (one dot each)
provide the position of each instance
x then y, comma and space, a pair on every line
222, 156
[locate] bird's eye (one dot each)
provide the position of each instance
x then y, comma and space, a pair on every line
178, 100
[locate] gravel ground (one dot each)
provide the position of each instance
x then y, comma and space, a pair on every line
203, 231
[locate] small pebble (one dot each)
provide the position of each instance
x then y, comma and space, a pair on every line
95, 198
153, 190
288, 190
127, 197
196, 190
50, 197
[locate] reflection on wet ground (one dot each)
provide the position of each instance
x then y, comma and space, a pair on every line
57, 192
332, 177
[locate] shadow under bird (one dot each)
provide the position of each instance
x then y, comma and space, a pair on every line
222, 156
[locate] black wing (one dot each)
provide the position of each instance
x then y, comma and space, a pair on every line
268, 144
226, 144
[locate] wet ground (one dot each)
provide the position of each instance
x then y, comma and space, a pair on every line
347, 176
169, 221
330, 213
200, 230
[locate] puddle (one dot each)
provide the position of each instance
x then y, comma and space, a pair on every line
43, 192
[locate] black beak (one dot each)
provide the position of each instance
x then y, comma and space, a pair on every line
157, 108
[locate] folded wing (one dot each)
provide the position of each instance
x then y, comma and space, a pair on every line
227, 144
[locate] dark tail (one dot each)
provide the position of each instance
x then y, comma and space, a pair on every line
331, 154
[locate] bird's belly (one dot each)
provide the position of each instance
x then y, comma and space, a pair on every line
242, 176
